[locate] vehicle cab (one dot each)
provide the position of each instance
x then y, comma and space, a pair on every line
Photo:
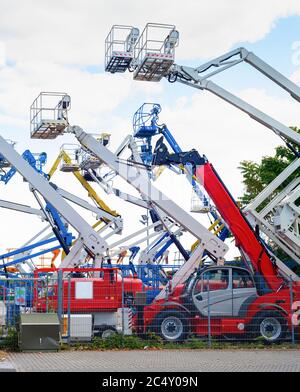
221, 301
220, 291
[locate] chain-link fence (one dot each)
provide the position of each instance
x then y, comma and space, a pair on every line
214, 305
224, 305
19, 295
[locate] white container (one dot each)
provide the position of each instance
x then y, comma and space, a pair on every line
2, 313
80, 327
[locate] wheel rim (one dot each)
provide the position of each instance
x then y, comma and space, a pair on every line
172, 328
270, 329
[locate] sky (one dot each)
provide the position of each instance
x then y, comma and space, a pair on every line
59, 46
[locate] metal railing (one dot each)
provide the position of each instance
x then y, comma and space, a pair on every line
118, 48
49, 115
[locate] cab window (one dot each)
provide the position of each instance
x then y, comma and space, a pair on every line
198, 287
214, 280
241, 279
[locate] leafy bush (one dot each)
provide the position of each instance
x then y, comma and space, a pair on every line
118, 341
154, 342
153, 338
10, 342
196, 344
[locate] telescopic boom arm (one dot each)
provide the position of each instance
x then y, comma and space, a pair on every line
152, 63
88, 238
246, 239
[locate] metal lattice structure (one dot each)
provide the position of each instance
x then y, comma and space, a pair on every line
276, 211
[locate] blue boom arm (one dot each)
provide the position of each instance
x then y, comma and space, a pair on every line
145, 126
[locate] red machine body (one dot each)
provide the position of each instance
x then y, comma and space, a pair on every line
224, 325
244, 235
107, 293
234, 309
274, 305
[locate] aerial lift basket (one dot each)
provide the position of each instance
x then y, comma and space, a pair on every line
119, 45
199, 206
154, 52
88, 161
49, 115
71, 152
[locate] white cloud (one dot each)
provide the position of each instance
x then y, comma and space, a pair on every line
202, 121
296, 76
73, 32
94, 96
296, 53
226, 135
2, 54
49, 44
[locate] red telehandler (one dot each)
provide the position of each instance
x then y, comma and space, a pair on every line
246, 302
223, 300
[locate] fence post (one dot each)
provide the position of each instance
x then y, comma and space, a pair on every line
60, 297
123, 304
208, 314
8, 309
47, 294
69, 309
13, 303
292, 300
5, 302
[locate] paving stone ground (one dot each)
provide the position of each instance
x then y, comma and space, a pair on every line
163, 361
3, 355
5, 365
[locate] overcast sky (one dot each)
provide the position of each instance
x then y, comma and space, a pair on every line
59, 46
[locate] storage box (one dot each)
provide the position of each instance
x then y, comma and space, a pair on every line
39, 332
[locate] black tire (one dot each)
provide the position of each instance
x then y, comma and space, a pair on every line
172, 325
105, 331
269, 325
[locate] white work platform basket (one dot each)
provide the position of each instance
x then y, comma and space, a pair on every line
49, 115
154, 52
119, 46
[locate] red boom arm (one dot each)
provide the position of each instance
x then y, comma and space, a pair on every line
244, 235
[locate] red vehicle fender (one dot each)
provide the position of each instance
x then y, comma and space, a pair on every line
153, 310
272, 302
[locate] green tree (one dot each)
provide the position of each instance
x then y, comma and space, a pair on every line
257, 176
